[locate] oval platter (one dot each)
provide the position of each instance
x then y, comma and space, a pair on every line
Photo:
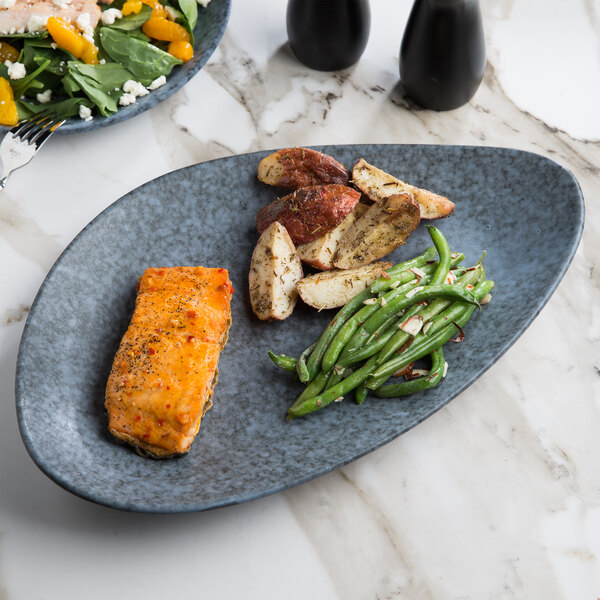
530, 226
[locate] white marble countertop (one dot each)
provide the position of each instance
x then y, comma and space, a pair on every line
496, 496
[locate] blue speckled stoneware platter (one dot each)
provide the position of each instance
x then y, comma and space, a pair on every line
208, 32
525, 210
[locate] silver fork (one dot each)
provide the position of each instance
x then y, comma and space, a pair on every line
23, 141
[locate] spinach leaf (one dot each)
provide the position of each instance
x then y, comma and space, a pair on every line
33, 56
138, 34
106, 103
29, 35
70, 85
20, 86
131, 22
60, 108
145, 61
190, 10
110, 76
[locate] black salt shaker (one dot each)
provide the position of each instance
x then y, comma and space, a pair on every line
442, 56
328, 35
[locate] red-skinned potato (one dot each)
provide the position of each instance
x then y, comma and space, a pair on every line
320, 252
385, 226
377, 184
337, 287
309, 212
275, 269
293, 168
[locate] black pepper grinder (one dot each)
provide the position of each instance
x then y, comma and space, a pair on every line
328, 35
442, 56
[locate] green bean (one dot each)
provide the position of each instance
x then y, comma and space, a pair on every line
363, 332
301, 368
441, 245
428, 292
336, 377
334, 393
366, 351
313, 363
315, 387
360, 394
341, 338
437, 306
421, 346
381, 283
438, 366
455, 309
285, 362
406, 276
441, 330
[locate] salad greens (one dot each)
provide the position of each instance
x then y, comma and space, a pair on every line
125, 54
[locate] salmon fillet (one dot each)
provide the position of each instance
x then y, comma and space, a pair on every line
26, 15
162, 378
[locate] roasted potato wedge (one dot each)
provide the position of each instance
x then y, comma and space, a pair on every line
334, 288
377, 184
275, 269
293, 168
320, 252
309, 212
385, 226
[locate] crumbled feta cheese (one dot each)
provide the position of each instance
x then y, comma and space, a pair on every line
126, 99
157, 82
83, 21
37, 22
53, 45
7, 3
62, 3
102, 61
20, 30
171, 13
135, 88
85, 113
44, 97
15, 70
203, 3
111, 15
84, 25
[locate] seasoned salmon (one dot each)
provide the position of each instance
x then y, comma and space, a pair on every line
23, 15
162, 378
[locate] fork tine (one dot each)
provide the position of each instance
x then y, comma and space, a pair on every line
32, 128
45, 132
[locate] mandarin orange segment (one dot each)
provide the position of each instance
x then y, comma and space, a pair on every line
181, 49
162, 29
8, 107
68, 38
8, 52
158, 10
131, 7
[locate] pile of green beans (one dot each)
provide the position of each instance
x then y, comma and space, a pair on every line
365, 344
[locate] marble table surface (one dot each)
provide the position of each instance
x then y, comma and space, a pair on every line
496, 496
